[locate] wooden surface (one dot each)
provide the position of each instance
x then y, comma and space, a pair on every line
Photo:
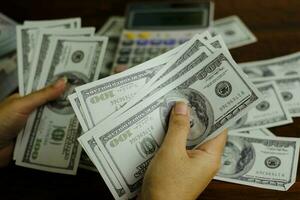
276, 24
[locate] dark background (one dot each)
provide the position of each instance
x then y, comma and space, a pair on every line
276, 24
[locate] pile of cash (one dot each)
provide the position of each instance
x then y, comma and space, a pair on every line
120, 120
8, 63
124, 117
48, 51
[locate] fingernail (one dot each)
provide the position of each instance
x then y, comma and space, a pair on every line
120, 68
181, 108
61, 82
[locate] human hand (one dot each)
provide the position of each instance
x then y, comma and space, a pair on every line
14, 112
177, 173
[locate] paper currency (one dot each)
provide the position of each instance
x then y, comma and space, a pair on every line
112, 28
50, 134
234, 32
26, 45
139, 132
264, 162
7, 35
42, 50
254, 132
280, 66
289, 87
268, 113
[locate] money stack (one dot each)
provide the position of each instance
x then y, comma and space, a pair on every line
48, 51
8, 64
124, 117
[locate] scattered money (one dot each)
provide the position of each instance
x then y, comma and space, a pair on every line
233, 31
275, 67
205, 77
265, 162
270, 112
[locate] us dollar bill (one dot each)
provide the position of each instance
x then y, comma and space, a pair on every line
75, 21
234, 32
255, 132
42, 50
50, 136
194, 46
8, 35
217, 93
265, 162
26, 45
289, 87
268, 113
112, 28
108, 175
280, 66
77, 108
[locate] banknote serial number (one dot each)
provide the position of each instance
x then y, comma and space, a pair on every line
232, 101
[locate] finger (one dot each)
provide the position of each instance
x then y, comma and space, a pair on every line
120, 68
179, 126
30, 102
216, 145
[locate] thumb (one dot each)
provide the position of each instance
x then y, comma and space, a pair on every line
30, 102
179, 126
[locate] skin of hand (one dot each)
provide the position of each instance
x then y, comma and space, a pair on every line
177, 173
14, 112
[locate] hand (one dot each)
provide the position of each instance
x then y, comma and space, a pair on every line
177, 173
14, 112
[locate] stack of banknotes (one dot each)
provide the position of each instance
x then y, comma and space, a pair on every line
8, 63
124, 117
48, 51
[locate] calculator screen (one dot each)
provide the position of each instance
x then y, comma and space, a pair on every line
168, 16
169, 20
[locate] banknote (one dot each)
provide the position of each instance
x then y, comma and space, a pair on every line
77, 108
26, 45
7, 34
42, 50
289, 87
75, 21
108, 175
280, 66
218, 94
268, 113
50, 135
233, 31
265, 162
194, 46
112, 28
254, 132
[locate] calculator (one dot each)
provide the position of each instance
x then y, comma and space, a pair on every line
152, 29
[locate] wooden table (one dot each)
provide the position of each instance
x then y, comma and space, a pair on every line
276, 23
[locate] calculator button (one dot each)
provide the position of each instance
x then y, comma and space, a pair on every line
153, 51
170, 42
142, 42
127, 42
156, 42
139, 51
125, 51
144, 35
130, 36
137, 60
123, 60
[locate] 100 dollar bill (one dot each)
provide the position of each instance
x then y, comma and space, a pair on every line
265, 162
50, 137
217, 93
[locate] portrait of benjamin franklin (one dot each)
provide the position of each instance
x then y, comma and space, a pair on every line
237, 159
62, 104
201, 116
